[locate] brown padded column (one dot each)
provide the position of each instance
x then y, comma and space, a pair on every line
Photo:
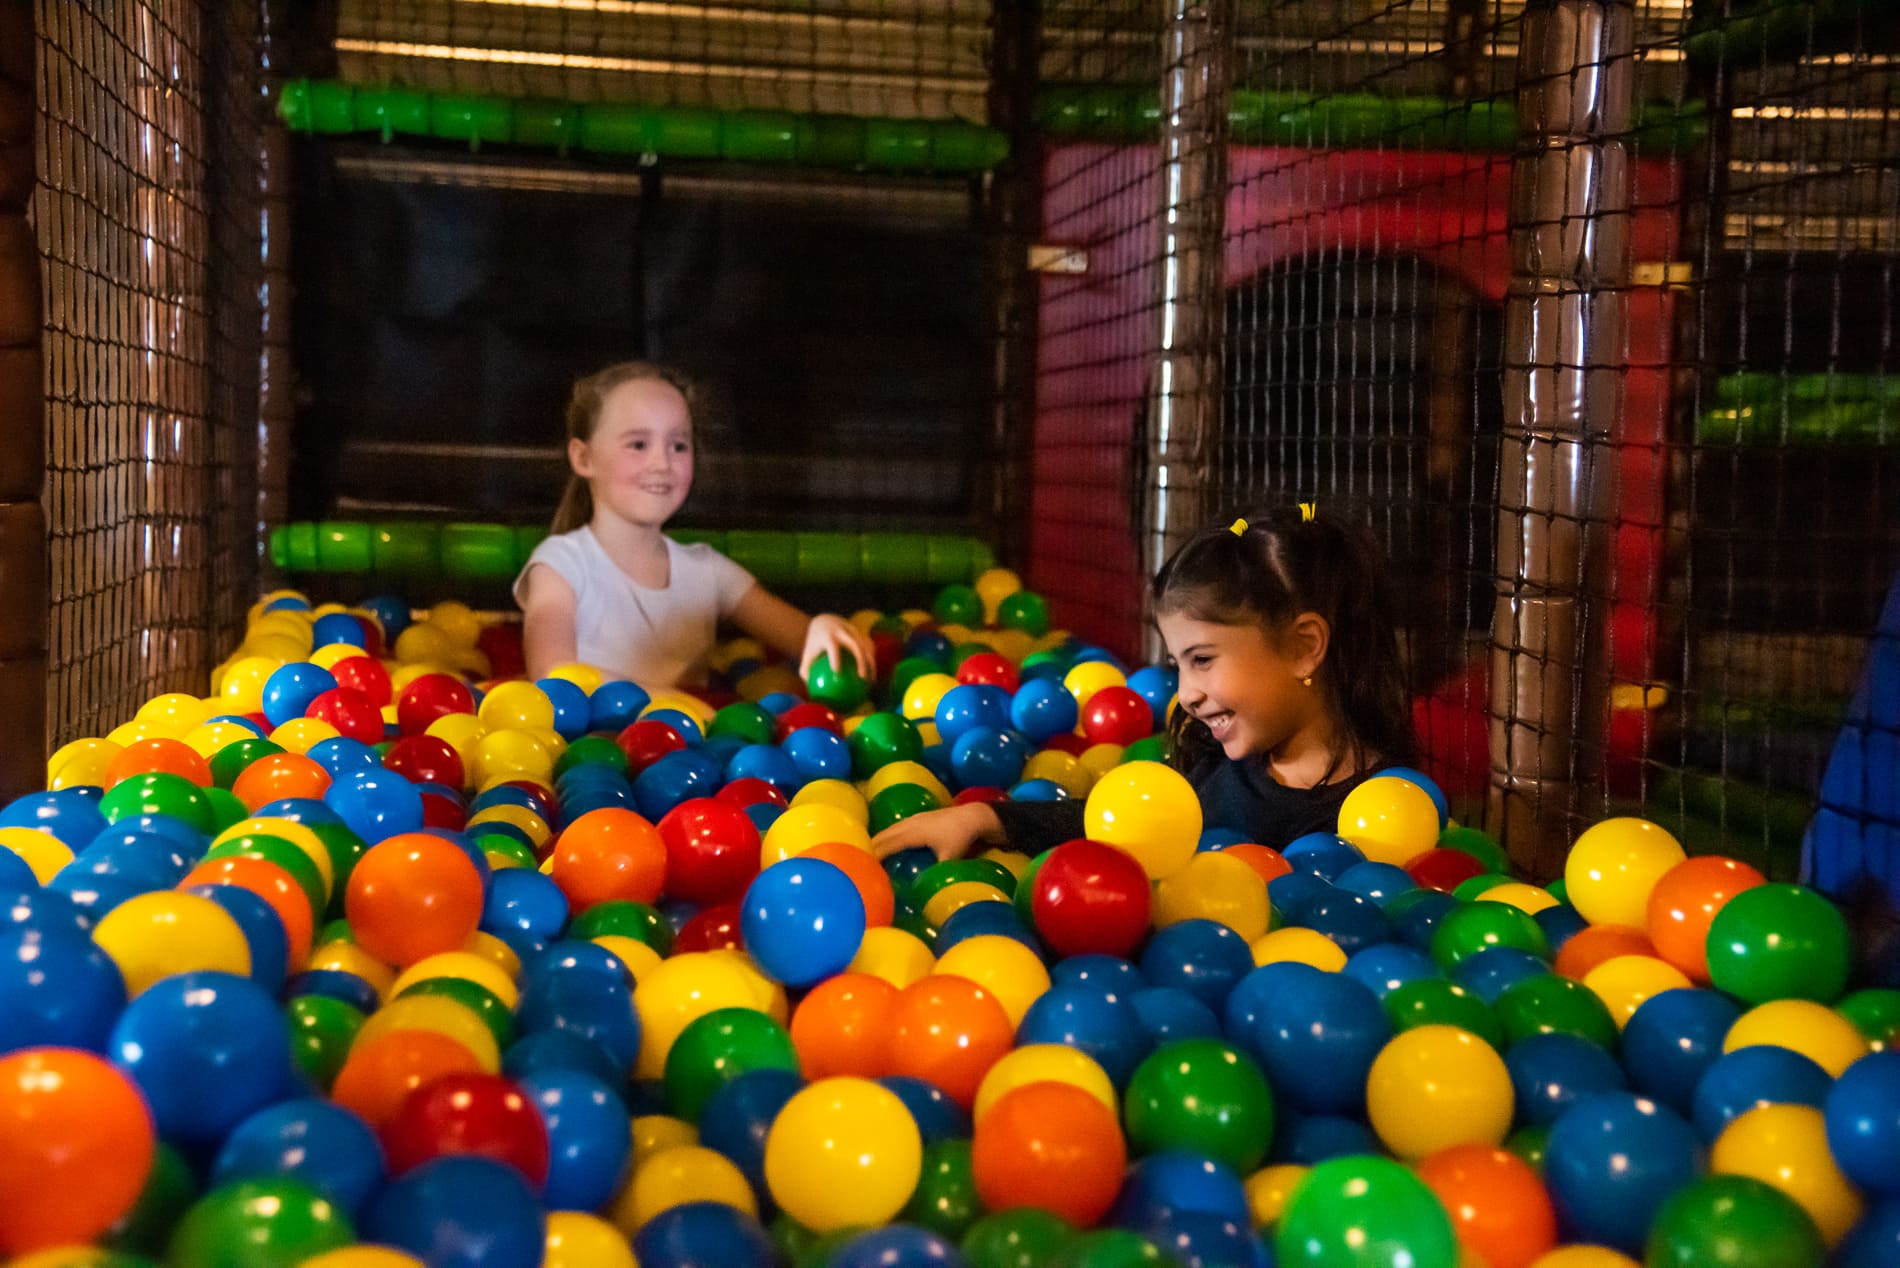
23, 596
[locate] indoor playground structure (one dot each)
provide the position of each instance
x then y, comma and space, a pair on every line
330, 937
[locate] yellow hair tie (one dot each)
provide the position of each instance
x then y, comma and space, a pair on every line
1237, 528
1307, 511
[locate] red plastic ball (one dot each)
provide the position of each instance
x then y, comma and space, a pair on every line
351, 712
1443, 869
804, 715
750, 792
989, 669
647, 741
429, 697
712, 850
1073, 745
439, 811
502, 645
889, 649
980, 794
1088, 897
711, 929
361, 673
1117, 715
480, 1114
542, 794
425, 759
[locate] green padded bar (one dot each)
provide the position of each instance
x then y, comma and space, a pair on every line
619, 128
1811, 409
490, 552
1126, 112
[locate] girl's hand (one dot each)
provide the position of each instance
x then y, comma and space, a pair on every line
952, 832
831, 635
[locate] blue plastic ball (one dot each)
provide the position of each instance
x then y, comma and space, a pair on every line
1495, 970
1552, 1072
290, 689
1175, 1180
897, 1246
375, 804
818, 753
1430, 786
938, 1117
737, 1118
1610, 1163
1103, 972
675, 778
207, 1049
1325, 854
1350, 921
317, 1142
1096, 1022
1318, 1039
573, 711
613, 706
590, 1137
57, 989
802, 920
699, 1234
1042, 709
1671, 1041
461, 1211
1376, 882
987, 757
1389, 965
263, 931
1760, 1074
1157, 685
1169, 1013
1203, 957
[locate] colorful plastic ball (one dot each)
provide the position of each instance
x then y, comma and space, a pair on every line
412, 896
1325, 854
1148, 810
1863, 1123
738, 1118
1364, 1212
1117, 715
1390, 820
1774, 942
1438, 1086
1550, 1073
803, 920
1816, 1032
1555, 1005
1437, 1002
1498, 1207
76, 1145
1098, 1023
1472, 928
1169, 1014
1684, 904
840, 1026
460, 1212
1611, 1162
1672, 1040
1615, 866
1042, 709
589, 1139
1199, 956
1729, 1221
268, 1222
1875, 1241
843, 1152
678, 990
1444, 869
263, 926
1200, 1094
699, 1233
75, 816
479, 1115
1786, 1146
804, 826
1624, 982
721, 1046
158, 935
58, 989
376, 805
289, 692
1317, 1040
1750, 1077
1052, 1146
1384, 968
207, 1050
1089, 897
317, 1143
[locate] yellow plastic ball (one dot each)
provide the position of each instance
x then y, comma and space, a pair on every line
464, 966
923, 695
300, 735
1786, 1146
1064, 770
692, 706
516, 706
1089, 677
1528, 899
579, 1240
82, 763
165, 933
1389, 819
802, 827
1012, 645
457, 621
1215, 886
864, 618
176, 709
515, 817
1148, 811
953, 898
673, 1177
993, 585
347, 957
837, 794
1044, 1063
898, 957
843, 1152
1436, 1086
767, 680
655, 1133
425, 641
331, 655
892, 774
639, 958
1099, 759
586, 677
495, 951
1300, 946
1814, 1030
1003, 966
505, 755
1583, 1257
1623, 982
42, 852
362, 1257
681, 990
207, 738
440, 1015
461, 732
1268, 1190
1613, 867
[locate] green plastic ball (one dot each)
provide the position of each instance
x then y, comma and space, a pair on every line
1024, 611
1436, 1002
1203, 1095
957, 605
274, 1223
881, 739
717, 1048
1026, 1237
1724, 1221
230, 761
1875, 1012
625, 918
321, 1032
1474, 927
1363, 1211
945, 1200
1779, 942
158, 793
898, 803
840, 686
1549, 1004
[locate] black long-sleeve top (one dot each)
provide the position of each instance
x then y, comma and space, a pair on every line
1238, 795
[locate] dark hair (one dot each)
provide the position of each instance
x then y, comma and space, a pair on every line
1280, 565
583, 415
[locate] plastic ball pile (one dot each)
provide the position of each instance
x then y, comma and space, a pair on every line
359, 963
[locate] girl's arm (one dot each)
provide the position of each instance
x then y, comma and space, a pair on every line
952, 832
786, 630
547, 634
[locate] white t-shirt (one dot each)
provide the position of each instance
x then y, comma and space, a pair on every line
657, 638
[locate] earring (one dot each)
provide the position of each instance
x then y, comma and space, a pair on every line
1307, 681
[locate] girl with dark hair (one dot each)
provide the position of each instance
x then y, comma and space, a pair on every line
1291, 691
610, 589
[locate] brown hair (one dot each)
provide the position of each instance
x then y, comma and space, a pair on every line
576, 507
1281, 564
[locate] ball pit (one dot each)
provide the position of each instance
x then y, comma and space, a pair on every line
372, 958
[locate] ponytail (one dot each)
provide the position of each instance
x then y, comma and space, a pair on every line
576, 508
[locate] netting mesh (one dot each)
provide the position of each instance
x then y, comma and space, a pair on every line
148, 114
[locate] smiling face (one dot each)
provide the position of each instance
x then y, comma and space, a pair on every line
1244, 685
639, 460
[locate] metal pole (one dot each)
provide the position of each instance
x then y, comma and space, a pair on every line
1564, 344
1184, 414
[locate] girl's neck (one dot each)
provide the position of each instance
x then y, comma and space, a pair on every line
639, 550
1313, 755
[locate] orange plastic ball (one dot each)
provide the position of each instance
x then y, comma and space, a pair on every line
165, 756
1499, 1208
842, 1026
1684, 904
380, 1072
607, 855
1590, 947
76, 1145
413, 896
1263, 859
1049, 1145
872, 881
271, 883
276, 776
949, 1031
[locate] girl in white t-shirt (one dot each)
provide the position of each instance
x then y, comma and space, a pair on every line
608, 588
